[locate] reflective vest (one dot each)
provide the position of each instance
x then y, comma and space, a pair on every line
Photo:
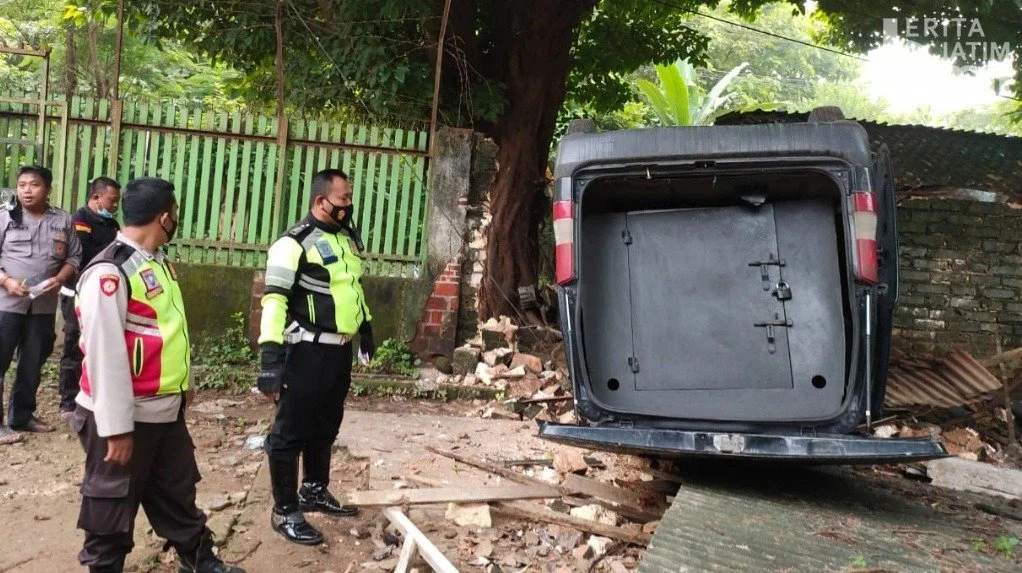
314, 277
155, 328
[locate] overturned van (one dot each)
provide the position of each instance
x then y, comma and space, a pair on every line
728, 291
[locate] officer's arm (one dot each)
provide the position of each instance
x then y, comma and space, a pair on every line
103, 301
73, 261
281, 272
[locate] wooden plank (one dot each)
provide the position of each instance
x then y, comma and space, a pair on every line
405, 559
1000, 357
181, 172
417, 246
336, 136
227, 209
349, 136
139, 167
623, 501
310, 162
192, 189
533, 514
295, 192
128, 139
449, 495
381, 189
5, 127
393, 200
429, 552
222, 147
357, 173
204, 190
258, 213
364, 220
153, 158
404, 219
100, 154
167, 143
280, 163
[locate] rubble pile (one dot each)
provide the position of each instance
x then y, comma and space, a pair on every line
525, 363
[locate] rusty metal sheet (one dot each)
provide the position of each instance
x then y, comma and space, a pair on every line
954, 381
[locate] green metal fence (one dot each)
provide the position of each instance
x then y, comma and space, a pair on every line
241, 179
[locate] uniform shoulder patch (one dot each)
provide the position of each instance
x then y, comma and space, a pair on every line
109, 283
82, 227
299, 229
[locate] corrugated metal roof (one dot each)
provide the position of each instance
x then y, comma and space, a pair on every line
812, 521
955, 381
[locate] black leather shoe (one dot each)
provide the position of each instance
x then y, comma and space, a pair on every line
294, 528
200, 559
115, 567
315, 497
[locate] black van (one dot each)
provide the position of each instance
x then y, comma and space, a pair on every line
728, 290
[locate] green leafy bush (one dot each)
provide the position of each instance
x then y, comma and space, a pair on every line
226, 360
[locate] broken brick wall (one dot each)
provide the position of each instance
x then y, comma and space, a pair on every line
484, 169
961, 276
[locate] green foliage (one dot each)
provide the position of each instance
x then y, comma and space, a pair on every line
227, 360
679, 100
392, 357
979, 546
1006, 545
859, 562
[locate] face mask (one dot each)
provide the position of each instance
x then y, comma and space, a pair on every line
341, 214
105, 214
170, 232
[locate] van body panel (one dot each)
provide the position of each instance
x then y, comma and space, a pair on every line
715, 289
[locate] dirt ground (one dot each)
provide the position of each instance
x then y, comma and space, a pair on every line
382, 443
382, 439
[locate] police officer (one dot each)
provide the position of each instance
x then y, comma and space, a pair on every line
38, 252
130, 414
96, 228
312, 308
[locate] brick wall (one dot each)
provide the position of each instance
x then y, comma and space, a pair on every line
961, 276
437, 330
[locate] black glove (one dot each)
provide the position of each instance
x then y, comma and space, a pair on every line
271, 374
365, 340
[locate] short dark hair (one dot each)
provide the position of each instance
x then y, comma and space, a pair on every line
45, 174
321, 181
145, 199
100, 183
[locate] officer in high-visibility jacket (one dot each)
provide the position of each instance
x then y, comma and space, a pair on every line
312, 308
130, 412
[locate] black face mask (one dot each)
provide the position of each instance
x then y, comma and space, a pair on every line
341, 214
171, 231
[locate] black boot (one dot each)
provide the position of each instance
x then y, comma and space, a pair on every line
115, 567
200, 559
286, 518
314, 495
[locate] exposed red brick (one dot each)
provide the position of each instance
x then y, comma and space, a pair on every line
446, 289
437, 303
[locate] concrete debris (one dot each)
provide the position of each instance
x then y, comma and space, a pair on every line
595, 513
650, 527
528, 361
472, 515
965, 475
570, 461
497, 356
525, 387
599, 544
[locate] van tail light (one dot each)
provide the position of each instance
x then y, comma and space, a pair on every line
865, 219
564, 241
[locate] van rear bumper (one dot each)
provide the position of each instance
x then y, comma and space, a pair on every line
817, 449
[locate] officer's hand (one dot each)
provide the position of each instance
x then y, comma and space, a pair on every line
118, 449
366, 344
271, 374
52, 284
13, 286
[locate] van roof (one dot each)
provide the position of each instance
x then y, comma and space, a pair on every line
845, 140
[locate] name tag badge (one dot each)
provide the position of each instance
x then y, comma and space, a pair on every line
326, 252
152, 285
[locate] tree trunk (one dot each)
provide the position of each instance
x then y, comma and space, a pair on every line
70, 64
534, 58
